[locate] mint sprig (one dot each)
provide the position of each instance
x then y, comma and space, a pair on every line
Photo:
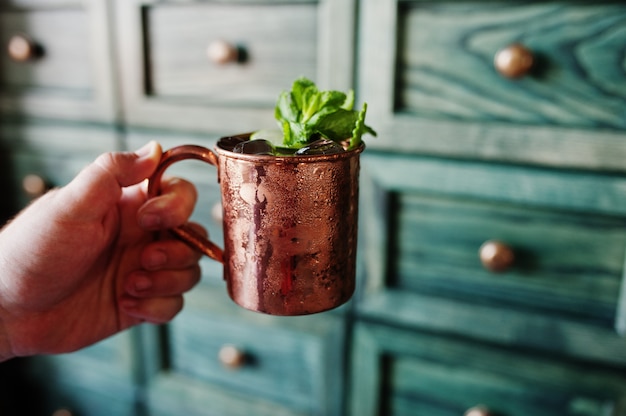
305, 114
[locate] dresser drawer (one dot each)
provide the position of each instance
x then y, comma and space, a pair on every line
51, 154
446, 63
219, 67
398, 373
566, 232
292, 363
434, 85
96, 380
571, 264
56, 60
280, 45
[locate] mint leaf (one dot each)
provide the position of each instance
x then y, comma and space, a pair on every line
305, 113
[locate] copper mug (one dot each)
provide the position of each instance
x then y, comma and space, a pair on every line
290, 227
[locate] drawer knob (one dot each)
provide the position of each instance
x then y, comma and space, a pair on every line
34, 185
514, 61
221, 52
477, 411
22, 48
496, 256
232, 357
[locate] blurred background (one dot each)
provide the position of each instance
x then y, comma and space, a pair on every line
493, 201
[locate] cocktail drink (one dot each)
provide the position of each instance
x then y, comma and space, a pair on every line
289, 219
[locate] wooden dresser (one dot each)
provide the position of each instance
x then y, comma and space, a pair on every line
493, 203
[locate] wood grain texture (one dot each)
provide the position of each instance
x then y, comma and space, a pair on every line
423, 221
63, 36
97, 380
565, 263
432, 89
54, 151
445, 62
73, 80
284, 40
294, 365
280, 42
426, 374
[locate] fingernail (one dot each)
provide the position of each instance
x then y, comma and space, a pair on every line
150, 221
129, 303
141, 283
145, 150
155, 259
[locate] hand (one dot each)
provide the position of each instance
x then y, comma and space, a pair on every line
81, 263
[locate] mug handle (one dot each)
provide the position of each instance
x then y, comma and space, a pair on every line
185, 232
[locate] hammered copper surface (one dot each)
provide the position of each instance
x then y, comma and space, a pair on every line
290, 230
290, 227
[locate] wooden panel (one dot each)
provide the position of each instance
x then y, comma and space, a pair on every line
566, 263
446, 62
400, 373
72, 79
280, 45
169, 82
292, 364
54, 152
173, 395
99, 397
279, 367
431, 88
423, 221
95, 381
63, 36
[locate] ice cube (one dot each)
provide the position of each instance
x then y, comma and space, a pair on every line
321, 147
255, 147
229, 143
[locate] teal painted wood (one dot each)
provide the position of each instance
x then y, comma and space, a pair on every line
55, 152
446, 62
94, 399
175, 395
423, 221
445, 377
189, 93
582, 192
570, 264
96, 380
280, 44
295, 364
523, 329
432, 89
73, 80
65, 63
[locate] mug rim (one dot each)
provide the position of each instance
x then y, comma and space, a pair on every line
284, 159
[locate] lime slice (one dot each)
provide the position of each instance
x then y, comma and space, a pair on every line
273, 136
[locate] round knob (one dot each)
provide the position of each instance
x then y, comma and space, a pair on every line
22, 48
514, 61
231, 356
496, 256
477, 411
221, 52
62, 412
34, 185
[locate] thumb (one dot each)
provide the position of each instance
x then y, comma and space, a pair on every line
100, 183
128, 168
